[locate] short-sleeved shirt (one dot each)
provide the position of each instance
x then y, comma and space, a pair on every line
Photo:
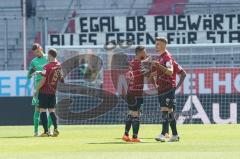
136, 83
166, 82
53, 74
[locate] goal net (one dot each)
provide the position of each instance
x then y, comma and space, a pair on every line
95, 84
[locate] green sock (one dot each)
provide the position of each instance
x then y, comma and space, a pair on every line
36, 120
49, 121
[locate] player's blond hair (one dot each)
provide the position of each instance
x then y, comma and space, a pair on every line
163, 39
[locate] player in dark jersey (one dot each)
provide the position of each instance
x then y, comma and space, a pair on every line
134, 96
46, 91
167, 69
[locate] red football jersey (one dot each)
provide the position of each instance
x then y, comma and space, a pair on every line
164, 81
53, 74
136, 77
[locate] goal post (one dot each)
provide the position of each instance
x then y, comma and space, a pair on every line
95, 84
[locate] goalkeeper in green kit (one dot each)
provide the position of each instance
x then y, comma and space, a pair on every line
37, 64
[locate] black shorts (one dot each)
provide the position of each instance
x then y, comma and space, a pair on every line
168, 99
47, 100
134, 102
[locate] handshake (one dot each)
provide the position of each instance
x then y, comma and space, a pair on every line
41, 72
34, 72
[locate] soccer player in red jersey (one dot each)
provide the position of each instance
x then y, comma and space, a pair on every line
167, 69
134, 96
46, 91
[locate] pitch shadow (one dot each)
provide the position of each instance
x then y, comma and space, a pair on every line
120, 142
147, 138
16, 137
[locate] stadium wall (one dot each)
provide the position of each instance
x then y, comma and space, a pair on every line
207, 109
16, 111
15, 98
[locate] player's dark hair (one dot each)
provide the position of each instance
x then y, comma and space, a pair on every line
138, 49
35, 46
163, 39
53, 52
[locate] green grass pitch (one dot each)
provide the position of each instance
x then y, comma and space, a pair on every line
103, 142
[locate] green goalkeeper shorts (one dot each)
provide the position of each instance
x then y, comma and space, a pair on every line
35, 101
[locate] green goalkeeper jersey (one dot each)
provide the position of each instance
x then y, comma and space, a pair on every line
38, 63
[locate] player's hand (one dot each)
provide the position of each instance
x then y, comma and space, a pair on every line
32, 70
145, 71
38, 72
146, 66
153, 74
129, 75
147, 61
155, 63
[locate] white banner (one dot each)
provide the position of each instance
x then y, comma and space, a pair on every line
179, 29
15, 83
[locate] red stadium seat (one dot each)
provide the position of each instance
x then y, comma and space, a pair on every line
164, 7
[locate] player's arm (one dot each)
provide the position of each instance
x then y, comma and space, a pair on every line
31, 70
43, 73
146, 65
182, 77
129, 74
153, 75
152, 78
61, 76
168, 70
147, 59
43, 80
